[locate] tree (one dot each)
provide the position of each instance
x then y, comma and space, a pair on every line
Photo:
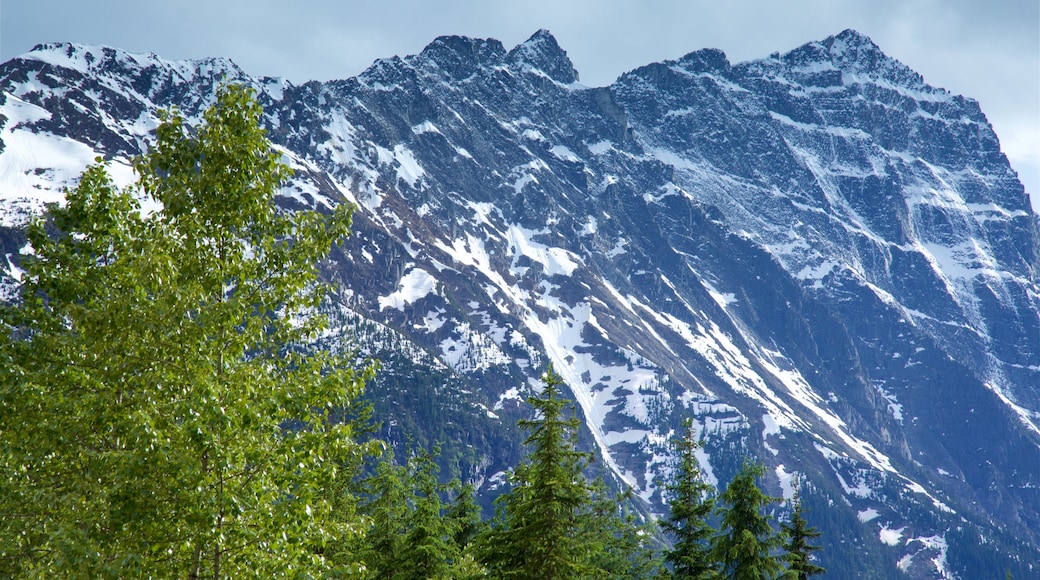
429, 550
537, 532
161, 415
618, 546
388, 510
464, 517
798, 536
746, 545
689, 507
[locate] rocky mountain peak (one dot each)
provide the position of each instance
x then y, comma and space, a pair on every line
541, 52
851, 57
706, 60
461, 56
802, 254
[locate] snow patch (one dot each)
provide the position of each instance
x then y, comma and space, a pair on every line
787, 481
564, 153
414, 285
867, 515
889, 536
425, 127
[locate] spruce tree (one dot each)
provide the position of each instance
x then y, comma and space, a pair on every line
746, 546
466, 523
798, 535
689, 507
537, 532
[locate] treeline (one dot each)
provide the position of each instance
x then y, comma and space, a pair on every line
554, 523
163, 413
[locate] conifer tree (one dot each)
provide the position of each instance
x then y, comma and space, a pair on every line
465, 517
746, 546
429, 550
144, 381
466, 523
619, 547
537, 532
798, 537
689, 507
387, 509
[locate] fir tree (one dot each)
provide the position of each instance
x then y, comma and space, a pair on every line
619, 547
429, 550
689, 507
388, 510
465, 516
798, 536
537, 532
746, 545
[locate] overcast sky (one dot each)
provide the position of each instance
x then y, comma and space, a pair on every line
987, 50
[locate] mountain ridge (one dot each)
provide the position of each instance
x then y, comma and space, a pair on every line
799, 255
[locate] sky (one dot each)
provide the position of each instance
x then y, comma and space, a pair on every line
986, 50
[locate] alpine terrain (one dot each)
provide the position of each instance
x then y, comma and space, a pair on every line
825, 262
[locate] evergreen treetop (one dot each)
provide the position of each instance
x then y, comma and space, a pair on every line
746, 545
798, 536
690, 505
537, 534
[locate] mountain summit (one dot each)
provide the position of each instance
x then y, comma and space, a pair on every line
823, 261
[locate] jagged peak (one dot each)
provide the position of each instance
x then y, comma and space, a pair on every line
705, 60
854, 38
461, 56
479, 48
542, 52
849, 57
853, 52
385, 73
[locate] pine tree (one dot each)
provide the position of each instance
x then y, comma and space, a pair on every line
798, 536
746, 545
147, 393
537, 532
689, 507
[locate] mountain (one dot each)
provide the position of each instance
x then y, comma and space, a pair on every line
823, 261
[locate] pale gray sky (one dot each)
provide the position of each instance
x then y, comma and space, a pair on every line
987, 50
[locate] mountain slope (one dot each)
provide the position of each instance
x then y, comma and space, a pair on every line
824, 261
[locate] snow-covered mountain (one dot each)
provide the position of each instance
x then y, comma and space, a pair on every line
825, 262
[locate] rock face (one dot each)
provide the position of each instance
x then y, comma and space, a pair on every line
825, 262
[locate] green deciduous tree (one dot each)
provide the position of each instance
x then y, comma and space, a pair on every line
797, 542
152, 420
690, 504
537, 534
746, 545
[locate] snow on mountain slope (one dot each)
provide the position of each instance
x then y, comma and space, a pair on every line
823, 261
